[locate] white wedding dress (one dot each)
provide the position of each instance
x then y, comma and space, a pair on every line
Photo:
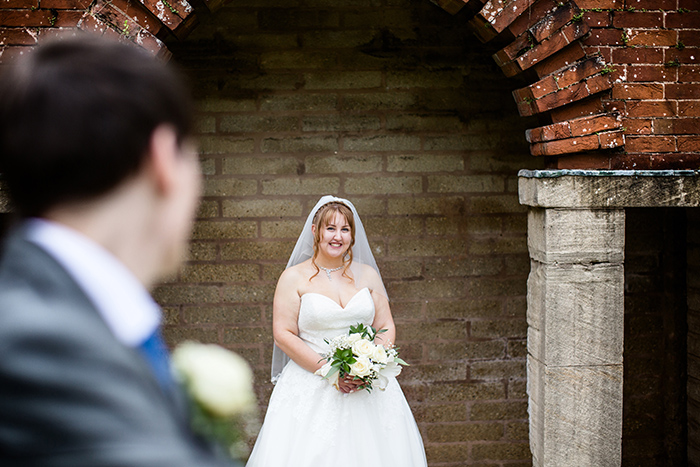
311, 424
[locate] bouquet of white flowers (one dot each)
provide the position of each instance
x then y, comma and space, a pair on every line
357, 355
219, 384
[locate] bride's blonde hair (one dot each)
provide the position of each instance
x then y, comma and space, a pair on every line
321, 219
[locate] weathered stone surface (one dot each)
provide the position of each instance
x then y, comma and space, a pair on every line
575, 414
609, 188
576, 235
575, 314
575, 307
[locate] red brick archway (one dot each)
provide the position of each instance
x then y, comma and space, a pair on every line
615, 82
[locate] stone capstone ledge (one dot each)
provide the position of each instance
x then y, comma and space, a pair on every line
609, 188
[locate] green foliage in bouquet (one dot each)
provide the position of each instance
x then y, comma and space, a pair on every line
365, 332
356, 354
342, 359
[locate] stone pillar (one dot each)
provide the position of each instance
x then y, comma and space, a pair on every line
576, 308
575, 332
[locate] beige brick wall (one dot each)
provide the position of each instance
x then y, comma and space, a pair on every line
395, 106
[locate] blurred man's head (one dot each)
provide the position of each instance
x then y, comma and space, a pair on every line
76, 117
94, 134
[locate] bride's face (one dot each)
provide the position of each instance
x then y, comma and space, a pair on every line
335, 237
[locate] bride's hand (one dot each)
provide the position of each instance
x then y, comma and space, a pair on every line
348, 385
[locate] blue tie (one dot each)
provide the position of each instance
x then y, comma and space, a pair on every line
156, 354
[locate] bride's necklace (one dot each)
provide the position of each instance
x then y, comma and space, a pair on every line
329, 271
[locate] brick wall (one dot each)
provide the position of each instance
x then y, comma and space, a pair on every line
23, 23
655, 351
615, 82
653, 48
399, 109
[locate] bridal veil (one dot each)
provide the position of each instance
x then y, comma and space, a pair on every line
304, 249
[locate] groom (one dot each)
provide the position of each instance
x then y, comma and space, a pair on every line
104, 182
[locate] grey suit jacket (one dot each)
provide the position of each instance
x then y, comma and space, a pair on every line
71, 394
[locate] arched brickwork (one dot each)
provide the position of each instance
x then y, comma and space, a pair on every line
615, 81
144, 22
607, 74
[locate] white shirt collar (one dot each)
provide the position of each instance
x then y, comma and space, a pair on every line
122, 301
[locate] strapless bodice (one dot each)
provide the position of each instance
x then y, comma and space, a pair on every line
302, 427
321, 317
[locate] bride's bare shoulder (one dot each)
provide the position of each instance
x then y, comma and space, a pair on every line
368, 272
366, 269
296, 273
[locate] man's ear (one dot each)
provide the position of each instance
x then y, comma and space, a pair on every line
163, 152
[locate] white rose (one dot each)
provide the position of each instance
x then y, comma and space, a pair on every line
220, 380
379, 355
362, 367
363, 348
354, 337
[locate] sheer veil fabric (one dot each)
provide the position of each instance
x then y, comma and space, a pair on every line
304, 249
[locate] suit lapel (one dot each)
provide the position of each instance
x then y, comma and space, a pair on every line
23, 260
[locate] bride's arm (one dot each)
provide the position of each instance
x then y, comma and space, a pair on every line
383, 320
382, 311
285, 329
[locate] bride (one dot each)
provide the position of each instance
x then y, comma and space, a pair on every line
331, 282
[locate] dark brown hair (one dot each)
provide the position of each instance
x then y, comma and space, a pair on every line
76, 118
322, 217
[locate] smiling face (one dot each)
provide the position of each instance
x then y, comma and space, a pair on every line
335, 237
334, 234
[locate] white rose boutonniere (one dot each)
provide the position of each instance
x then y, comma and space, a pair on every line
219, 384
